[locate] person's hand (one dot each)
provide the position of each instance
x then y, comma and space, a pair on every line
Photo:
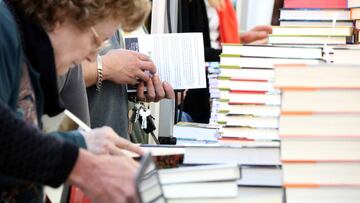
105, 141
156, 90
105, 178
257, 34
127, 67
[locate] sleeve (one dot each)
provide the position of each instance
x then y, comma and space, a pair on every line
73, 137
28, 154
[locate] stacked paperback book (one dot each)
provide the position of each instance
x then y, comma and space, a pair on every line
320, 132
314, 22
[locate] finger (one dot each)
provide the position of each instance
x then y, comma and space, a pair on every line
140, 91
127, 145
116, 151
249, 37
142, 56
142, 76
150, 96
262, 28
148, 65
169, 92
160, 93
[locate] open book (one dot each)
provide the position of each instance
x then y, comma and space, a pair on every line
179, 57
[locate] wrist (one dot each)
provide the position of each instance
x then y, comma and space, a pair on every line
99, 66
83, 169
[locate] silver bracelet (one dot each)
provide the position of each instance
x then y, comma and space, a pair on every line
99, 73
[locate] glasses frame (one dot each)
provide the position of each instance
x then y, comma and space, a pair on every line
98, 41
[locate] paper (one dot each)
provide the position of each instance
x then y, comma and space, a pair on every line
179, 57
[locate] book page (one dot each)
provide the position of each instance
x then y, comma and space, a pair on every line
179, 57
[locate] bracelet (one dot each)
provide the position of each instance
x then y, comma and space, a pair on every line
99, 73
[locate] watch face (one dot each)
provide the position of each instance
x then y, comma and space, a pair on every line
148, 183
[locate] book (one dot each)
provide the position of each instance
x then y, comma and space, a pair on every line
272, 51
315, 4
252, 155
195, 131
322, 149
325, 76
246, 74
321, 173
311, 31
202, 173
353, 3
317, 194
344, 55
248, 121
248, 98
320, 125
320, 101
355, 13
256, 110
317, 23
178, 57
315, 14
201, 190
307, 40
245, 86
247, 132
261, 176
245, 195
261, 62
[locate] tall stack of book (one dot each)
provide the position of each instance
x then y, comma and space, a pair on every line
248, 107
354, 6
320, 132
313, 22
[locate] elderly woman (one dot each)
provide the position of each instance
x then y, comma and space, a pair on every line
39, 40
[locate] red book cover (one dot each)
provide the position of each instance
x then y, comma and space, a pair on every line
315, 4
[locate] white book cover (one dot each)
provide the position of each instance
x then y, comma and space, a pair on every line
178, 57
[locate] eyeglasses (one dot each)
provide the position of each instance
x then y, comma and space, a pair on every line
98, 41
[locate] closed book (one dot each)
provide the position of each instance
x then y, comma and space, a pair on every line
322, 173
306, 40
205, 173
312, 31
261, 62
248, 121
238, 73
201, 189
355, 13
314, 14
320, 125
248, 133
261, 176
272, 51
315, 4
248, 141
251, 86
325, 76
245, 195
312, 148
353, 3
235, 98
344, 55
316, 23
247, 109
316, 194
252, 155
320, 101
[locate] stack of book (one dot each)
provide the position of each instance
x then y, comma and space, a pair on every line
354, 6
313, 22
248, 107
320, 132
200, 182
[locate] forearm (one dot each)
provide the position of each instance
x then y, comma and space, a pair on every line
28, 154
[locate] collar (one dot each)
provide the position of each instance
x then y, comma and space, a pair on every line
40, 54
